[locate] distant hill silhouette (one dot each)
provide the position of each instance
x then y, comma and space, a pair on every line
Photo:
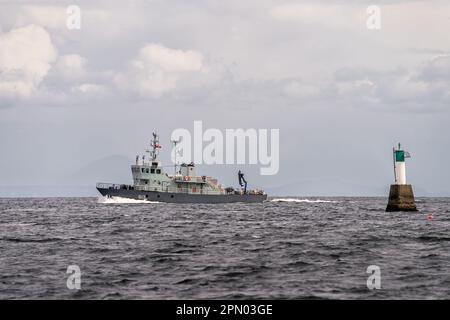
327, 187
115, 169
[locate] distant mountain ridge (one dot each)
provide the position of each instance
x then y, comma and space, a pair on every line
114, 168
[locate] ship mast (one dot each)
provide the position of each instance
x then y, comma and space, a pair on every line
175, 142
154, 143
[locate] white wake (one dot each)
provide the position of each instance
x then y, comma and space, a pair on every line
301, 200
120, 200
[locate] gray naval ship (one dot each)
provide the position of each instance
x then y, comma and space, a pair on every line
153, 184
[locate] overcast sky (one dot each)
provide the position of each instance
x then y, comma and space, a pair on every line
342, 95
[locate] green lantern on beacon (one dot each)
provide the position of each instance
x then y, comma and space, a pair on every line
400, 165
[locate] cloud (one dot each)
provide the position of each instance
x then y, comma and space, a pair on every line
286, 66
298, 89
47, 16
71, 67
26, 55
55, 17
437, 69
158, 69
90, 88
32, 72
320, 14
424, 88
169, 60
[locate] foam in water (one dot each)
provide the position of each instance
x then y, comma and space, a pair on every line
301, 200
120, 200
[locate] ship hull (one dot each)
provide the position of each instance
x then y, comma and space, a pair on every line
181, 197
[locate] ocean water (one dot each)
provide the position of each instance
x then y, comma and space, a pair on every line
303, 248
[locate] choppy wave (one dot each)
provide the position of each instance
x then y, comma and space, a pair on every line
12, 239
302, 200
119, 200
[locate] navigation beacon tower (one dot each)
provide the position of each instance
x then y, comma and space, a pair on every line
401, 196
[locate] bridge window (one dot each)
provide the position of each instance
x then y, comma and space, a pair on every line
158, 171
142, 170
152, 170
